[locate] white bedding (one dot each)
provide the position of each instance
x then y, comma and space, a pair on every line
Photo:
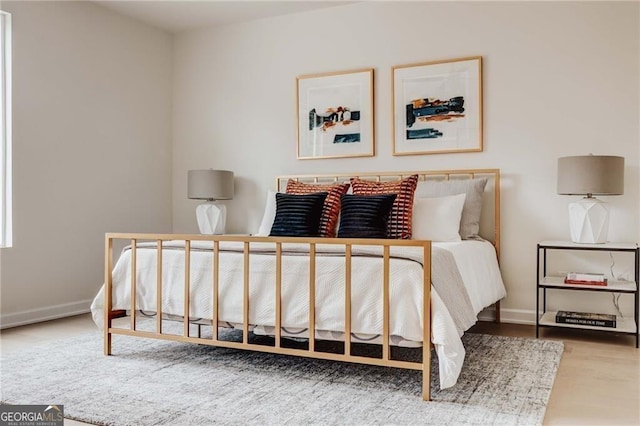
478, 265
476, 262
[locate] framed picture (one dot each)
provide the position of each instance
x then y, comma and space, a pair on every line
437, 107
335, 114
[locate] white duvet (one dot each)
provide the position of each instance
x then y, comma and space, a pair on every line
476, 262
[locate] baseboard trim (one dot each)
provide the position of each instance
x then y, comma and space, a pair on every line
511, 316
32, 316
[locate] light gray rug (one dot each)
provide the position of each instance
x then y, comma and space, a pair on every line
150, 382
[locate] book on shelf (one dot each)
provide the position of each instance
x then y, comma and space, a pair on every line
586, 318
601, 283
585, 278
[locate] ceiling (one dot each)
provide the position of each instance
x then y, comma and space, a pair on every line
176, 16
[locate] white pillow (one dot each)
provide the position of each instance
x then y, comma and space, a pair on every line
437, 218
268, 216
470, 220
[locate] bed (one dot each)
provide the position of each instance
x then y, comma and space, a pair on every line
352, 290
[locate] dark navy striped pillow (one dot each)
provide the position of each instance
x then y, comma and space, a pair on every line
365, 216
298, 215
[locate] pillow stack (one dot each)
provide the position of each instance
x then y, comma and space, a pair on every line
403, 209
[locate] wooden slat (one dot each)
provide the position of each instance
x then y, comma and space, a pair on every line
159, 288
108, 301
245, 324
347, 300
134, 277
385, 303
312, 297
388, 175
496, 214
426, 324
187, 285
255, 239
216, 283
278, 293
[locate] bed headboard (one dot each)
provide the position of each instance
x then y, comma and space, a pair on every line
489, 221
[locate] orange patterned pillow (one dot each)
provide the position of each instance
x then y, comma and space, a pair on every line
331, 209
399, 225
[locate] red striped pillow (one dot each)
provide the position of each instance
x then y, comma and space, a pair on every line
399, 225
331, 208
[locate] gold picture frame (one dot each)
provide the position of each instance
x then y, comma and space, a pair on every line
437, 107
335, 115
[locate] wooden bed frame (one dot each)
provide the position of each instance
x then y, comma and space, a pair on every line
493, 189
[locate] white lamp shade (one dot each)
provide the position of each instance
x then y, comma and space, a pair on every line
210, 184
591, 174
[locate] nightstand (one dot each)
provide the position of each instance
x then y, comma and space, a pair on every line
548, 282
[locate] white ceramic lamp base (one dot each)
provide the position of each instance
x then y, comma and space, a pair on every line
589, 221
211, 218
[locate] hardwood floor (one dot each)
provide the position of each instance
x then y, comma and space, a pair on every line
598, 382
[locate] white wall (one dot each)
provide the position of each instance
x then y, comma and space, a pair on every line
559, 79
92, 149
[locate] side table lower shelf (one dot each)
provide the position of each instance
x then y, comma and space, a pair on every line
624, 325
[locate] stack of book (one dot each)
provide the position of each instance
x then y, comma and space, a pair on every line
586, 318
585, 278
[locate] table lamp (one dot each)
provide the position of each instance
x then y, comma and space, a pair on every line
590, 175
210, 185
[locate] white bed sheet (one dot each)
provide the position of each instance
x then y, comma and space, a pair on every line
478, 265
476, 262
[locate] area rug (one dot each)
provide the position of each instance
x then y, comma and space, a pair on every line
505, 381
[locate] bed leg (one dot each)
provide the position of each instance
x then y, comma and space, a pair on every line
107, 343
108, 283
426, 392
426, 372
497, 312
426, 382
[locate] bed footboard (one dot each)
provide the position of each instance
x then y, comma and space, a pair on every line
385, 360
